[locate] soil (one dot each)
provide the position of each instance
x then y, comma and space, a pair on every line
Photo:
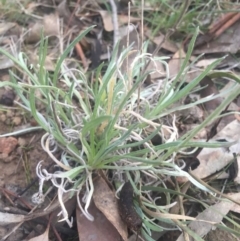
19, 157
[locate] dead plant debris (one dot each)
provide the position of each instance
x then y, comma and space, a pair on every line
141, 28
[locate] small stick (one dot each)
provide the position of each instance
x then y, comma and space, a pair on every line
7, 196
81, 55
5, 191
215, 26
228, 24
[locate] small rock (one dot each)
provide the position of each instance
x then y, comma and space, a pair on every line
8, 144
16, 120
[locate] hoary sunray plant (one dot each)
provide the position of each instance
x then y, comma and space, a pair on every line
102, 125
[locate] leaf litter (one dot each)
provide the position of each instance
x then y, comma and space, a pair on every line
105, 200
103, 194
42, 237
101, 228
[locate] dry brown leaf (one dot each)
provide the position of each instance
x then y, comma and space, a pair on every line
49, 25
168, 45
157, 70
42, 237
6, 63
123, 19
208, 90
231, 132
106, 202
209, 106
107, 20
99, 229
204, 63
212, 214
6, 26
236, 196
212, 160
215, 159
192, 74
176, 62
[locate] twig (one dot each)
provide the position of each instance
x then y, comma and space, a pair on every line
115, 23
81, 55
19, 224
7, 192
228, 24
215, 26
7, 196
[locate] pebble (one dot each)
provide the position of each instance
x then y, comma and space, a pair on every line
8, 144
16, 120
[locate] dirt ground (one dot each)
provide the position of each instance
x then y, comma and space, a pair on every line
19, 156
20, 153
